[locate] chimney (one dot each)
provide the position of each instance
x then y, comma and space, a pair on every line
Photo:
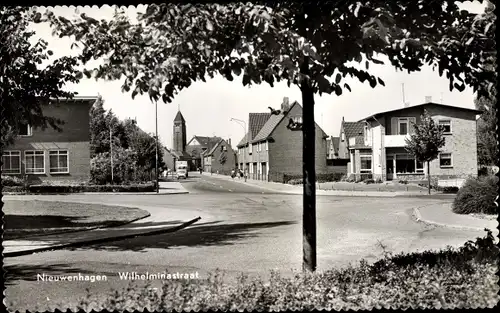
428, 99
229, 142
285, 105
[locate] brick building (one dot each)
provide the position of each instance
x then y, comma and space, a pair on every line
380, 149
220, 159
271, 150
51, 156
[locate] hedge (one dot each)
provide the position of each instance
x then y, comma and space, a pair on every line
477, 195
12, 181
58, 189
450, 278
296, 179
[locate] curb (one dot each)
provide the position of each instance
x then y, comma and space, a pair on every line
100, 240
87, 229
96, 193
418, 218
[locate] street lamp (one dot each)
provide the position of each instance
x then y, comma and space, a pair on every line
244, 125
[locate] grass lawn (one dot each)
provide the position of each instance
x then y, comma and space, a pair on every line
31, 218
391, 187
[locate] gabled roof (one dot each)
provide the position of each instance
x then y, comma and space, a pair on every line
179, 117
335, 142
181, 155
243, 140
255, 123
423, 105
214, 147
352, 129
205, 141
273, 122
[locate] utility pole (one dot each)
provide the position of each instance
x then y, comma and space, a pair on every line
156, 144
111, 152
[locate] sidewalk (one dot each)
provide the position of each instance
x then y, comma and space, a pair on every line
161, 220
298, 189
441, 215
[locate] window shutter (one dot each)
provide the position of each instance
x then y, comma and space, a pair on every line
394, 126
413, 120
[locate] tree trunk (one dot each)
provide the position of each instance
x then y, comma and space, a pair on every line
429, 176
309, 174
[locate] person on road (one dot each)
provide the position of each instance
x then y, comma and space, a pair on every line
232, 173
201, 171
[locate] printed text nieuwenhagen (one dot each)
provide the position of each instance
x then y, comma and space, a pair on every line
122, 275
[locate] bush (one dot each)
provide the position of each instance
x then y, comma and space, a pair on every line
51, 189
477, 195
297, 179
369, 181
403, 181
448, 278
12, 181
16, 189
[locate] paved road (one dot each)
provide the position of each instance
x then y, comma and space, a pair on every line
243, 229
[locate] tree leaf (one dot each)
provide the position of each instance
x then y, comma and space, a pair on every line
338, 78
380, 81
346, 86
209, 26
338, 90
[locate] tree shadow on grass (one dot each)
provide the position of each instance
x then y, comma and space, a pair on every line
207, 234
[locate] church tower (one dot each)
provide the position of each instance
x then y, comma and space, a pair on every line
179, 133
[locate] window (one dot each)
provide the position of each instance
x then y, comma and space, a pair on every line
25, 130
446, 124
342, 136
267, 145
402, 126
11, 162
420, 167
250, 148
35, 162
366, 164
297, 119
445, 160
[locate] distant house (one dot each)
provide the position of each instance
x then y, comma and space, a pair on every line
220, 159
51, 156
169, 158
332, 144
275, 150
198, 146
348, 130
335, 164
379, 150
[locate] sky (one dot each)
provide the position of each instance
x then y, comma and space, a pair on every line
208, 107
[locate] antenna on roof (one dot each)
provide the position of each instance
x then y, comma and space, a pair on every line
405, 104
441, 98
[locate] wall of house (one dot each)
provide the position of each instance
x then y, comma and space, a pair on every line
168, 158
343, 146
230, 163
75, 137
461, 143
285, 153
391, 128
257, 158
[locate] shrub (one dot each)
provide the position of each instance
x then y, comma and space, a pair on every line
369, 181
403, 181
12, 181
477, 195
449, 278
52, 189
297, 179
16, 189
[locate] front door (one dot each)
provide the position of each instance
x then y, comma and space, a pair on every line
390, 169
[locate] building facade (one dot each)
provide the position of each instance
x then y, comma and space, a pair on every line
276, 150
380, 150
221, 159
49, 155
